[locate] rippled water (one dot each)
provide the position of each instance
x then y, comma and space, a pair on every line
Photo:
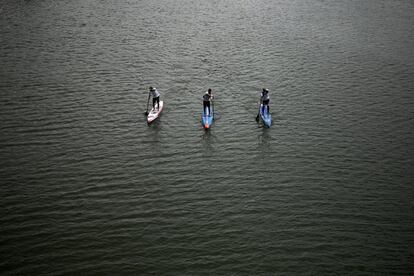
88, 187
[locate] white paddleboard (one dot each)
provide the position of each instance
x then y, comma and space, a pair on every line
154, 113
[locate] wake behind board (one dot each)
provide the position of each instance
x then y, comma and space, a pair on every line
155, 113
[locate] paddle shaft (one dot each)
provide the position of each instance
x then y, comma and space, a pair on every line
212, 107
149, 95
258, 113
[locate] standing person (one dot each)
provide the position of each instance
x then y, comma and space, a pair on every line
155, 97
265, 99
207, 97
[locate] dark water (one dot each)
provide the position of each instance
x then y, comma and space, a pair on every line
88, 188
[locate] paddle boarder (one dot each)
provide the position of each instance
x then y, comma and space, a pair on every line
265, 99
155, 97
207, 97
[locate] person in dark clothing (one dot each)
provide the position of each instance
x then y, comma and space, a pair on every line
265, 99
207, 98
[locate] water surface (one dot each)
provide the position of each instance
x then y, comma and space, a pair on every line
88, 187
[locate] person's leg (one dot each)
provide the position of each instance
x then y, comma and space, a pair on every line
153, 102
208, 108
158, 102
265, 106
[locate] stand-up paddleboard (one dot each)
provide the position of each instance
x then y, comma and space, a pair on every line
207, 117
154, 113
265, 116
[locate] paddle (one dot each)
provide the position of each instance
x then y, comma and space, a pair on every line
258, 114
146, 111
212, 108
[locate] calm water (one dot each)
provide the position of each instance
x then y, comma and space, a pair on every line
87, 187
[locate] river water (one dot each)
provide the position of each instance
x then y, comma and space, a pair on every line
87, 187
